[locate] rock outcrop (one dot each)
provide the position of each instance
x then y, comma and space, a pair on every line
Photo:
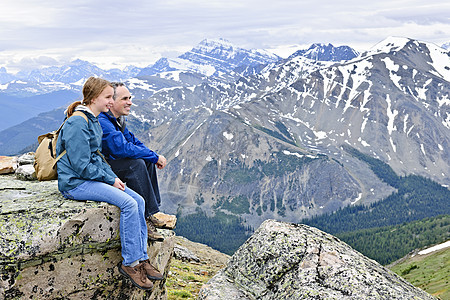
294, 261
54, 248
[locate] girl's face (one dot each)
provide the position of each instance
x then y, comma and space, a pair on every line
103, 102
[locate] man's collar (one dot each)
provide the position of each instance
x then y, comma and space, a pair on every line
120, 120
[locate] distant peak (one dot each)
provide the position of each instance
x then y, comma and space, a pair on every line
326, 52
216, 42
320, 45
79, 62
390, 43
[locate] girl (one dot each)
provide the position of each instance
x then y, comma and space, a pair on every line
84, 175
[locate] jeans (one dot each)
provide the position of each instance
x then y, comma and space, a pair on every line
140, 176
133, 228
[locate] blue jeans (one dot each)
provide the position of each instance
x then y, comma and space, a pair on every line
133, 229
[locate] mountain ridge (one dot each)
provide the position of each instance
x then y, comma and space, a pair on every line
236, 146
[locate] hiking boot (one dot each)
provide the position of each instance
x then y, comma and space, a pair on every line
152, 233
170, 221
137, 275
152, 272
158, 223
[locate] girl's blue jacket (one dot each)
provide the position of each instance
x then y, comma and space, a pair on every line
82, 162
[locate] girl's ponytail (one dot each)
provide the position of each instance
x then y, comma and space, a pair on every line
71, 108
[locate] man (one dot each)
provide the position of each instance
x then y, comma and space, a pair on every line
131, 160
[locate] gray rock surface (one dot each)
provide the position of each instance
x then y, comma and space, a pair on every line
184, 254
54, 248
26, 172
26, 159
294, 261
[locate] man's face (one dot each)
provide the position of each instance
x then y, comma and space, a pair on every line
122, 102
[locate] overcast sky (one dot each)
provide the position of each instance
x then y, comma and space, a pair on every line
119, 33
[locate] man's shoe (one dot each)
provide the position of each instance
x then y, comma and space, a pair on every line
137, 275
170, 221
152, 272
152, 233
158, 223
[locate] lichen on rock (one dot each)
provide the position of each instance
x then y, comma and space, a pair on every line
295, 261
52, 247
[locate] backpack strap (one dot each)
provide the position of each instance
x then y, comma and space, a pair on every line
98, 151
76, 113
81, 114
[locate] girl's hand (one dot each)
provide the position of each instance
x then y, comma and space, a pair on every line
119, 184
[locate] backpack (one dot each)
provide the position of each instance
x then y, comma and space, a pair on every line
45, 160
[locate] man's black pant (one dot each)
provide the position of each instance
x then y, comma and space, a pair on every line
140, 176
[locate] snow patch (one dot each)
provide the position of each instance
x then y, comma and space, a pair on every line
440, 61
391, 115
292, 153
423, 149
363, 142
444, 101
435, 248
227, 135
392, 144
392, 67
357, 199
320, 134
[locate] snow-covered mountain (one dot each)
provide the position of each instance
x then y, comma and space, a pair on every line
52, 79
5, 76
271, 145
327, 52
212, 58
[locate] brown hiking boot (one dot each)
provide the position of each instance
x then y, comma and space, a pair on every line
152, 272
170, 221
152, 233
137, 275
158, 223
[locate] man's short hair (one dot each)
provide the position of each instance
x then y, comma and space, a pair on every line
115, 85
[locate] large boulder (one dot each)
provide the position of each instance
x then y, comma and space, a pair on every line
294, 261
51, 247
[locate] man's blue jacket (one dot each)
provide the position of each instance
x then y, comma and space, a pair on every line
117, 144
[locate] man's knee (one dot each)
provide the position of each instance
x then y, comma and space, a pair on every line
137, 164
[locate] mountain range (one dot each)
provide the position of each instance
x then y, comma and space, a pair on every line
263, 137
271, 145
216, 60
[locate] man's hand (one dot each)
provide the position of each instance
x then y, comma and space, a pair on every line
162, 162
119, 184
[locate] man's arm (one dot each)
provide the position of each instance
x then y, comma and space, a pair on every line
115, 145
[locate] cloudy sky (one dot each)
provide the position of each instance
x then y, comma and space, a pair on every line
119, 33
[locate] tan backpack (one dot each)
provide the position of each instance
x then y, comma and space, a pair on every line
45, 156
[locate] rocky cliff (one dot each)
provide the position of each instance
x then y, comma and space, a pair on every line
54, 248
292, 261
